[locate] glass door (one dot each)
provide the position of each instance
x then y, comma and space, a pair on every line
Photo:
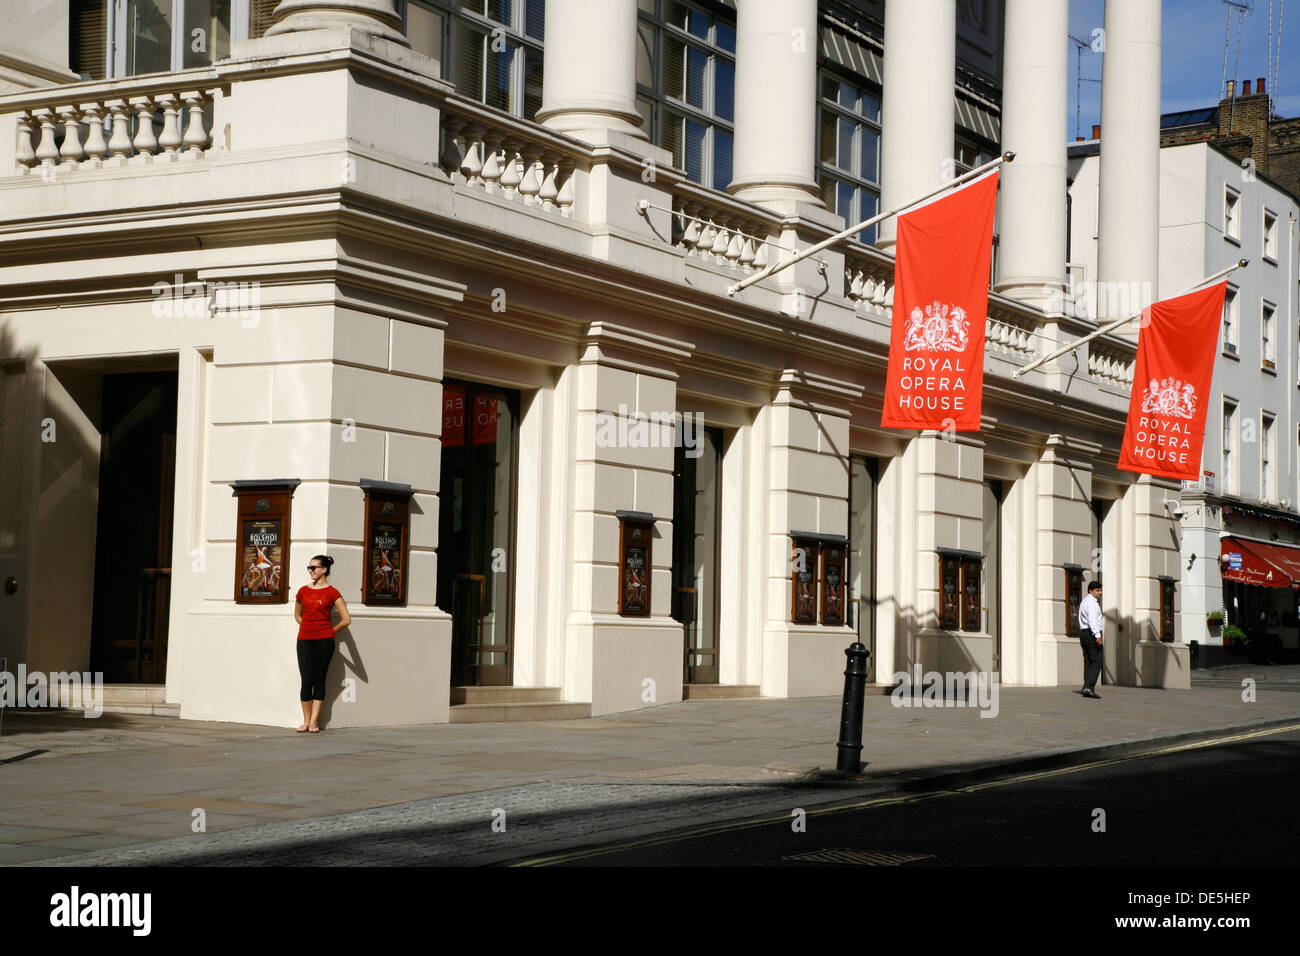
697, 474
476, 529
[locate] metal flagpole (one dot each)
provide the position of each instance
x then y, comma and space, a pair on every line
1110, 326
844, 234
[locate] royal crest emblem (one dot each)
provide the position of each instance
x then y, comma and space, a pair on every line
1170, 396
940, 328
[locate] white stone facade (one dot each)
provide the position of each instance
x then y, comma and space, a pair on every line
401, 237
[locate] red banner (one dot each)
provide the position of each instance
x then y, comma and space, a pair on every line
941, 298
1171, 385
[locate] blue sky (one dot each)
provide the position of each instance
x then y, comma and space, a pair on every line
1192, 55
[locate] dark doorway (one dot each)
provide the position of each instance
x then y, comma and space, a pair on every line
697, 486
476, 530
133, 547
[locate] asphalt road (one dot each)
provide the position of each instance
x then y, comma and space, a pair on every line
1231, 802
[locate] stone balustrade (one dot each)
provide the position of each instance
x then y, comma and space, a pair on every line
1111, 362
1009, 335
869, 278
112, 123
504, 156
714, 227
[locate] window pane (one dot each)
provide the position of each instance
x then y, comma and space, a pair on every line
646, 109
870, 107
498, 88
674, 67
726, 37
844, 202
502, 11
469, 61
207, 32
697, 61
869, 161
535, 19
845, 152
647, 5
671, 135
868, 206
724, 89
148, 36
829, 88
424, 30
722, 150
695, 150
645, 48
848, 97
678, 14
826, 139
532, 82
828, 191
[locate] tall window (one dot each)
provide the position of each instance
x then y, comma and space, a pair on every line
1229, 447
1268, 350
109, 38
686, 83
1230, 315
490, 49
1231, 214
1267, 458
848, 151
1270, 235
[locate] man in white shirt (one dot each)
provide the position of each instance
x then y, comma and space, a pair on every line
1090, 628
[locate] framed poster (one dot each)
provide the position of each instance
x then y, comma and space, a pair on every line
635, 541
387, 542
970, 593
949, 599
262, 540
832, 584
803, 580
1073, 598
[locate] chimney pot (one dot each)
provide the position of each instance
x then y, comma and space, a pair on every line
1259, 86
1245, 87
1096, 131
1078, 139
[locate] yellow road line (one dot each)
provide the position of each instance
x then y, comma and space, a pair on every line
888, 801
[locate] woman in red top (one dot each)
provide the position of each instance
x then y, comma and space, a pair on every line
316, 637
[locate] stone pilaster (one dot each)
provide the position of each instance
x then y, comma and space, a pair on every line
805, 433
1139, 657
624, 401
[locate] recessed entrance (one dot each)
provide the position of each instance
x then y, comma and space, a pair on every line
133, 545
476, 529
697, 484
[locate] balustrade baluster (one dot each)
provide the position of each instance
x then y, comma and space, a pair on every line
146, 143
549, 193
452, 154
96, 147
171, 133
26, 153
119, 144
196, 137
510, 173
46, 151
568, 193
473, 164
71, 149
491, 162
534, 171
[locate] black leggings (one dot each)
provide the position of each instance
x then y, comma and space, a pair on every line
313, 663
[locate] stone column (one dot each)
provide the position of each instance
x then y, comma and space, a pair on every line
1031, 258
589, 72
776, 102
918, 114
1129, 214
376, 17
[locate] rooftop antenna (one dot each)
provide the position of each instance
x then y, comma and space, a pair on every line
1079, 78
1243, 8
1277, 60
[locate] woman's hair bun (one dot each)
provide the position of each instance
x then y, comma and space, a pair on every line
327, 561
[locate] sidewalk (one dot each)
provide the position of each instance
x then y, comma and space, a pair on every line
122, 780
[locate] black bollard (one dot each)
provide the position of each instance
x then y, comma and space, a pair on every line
855, 686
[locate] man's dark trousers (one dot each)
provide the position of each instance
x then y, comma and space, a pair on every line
1092, 652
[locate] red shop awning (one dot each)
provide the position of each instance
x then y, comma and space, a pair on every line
1263, 565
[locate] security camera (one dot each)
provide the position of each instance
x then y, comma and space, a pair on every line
1174, 508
